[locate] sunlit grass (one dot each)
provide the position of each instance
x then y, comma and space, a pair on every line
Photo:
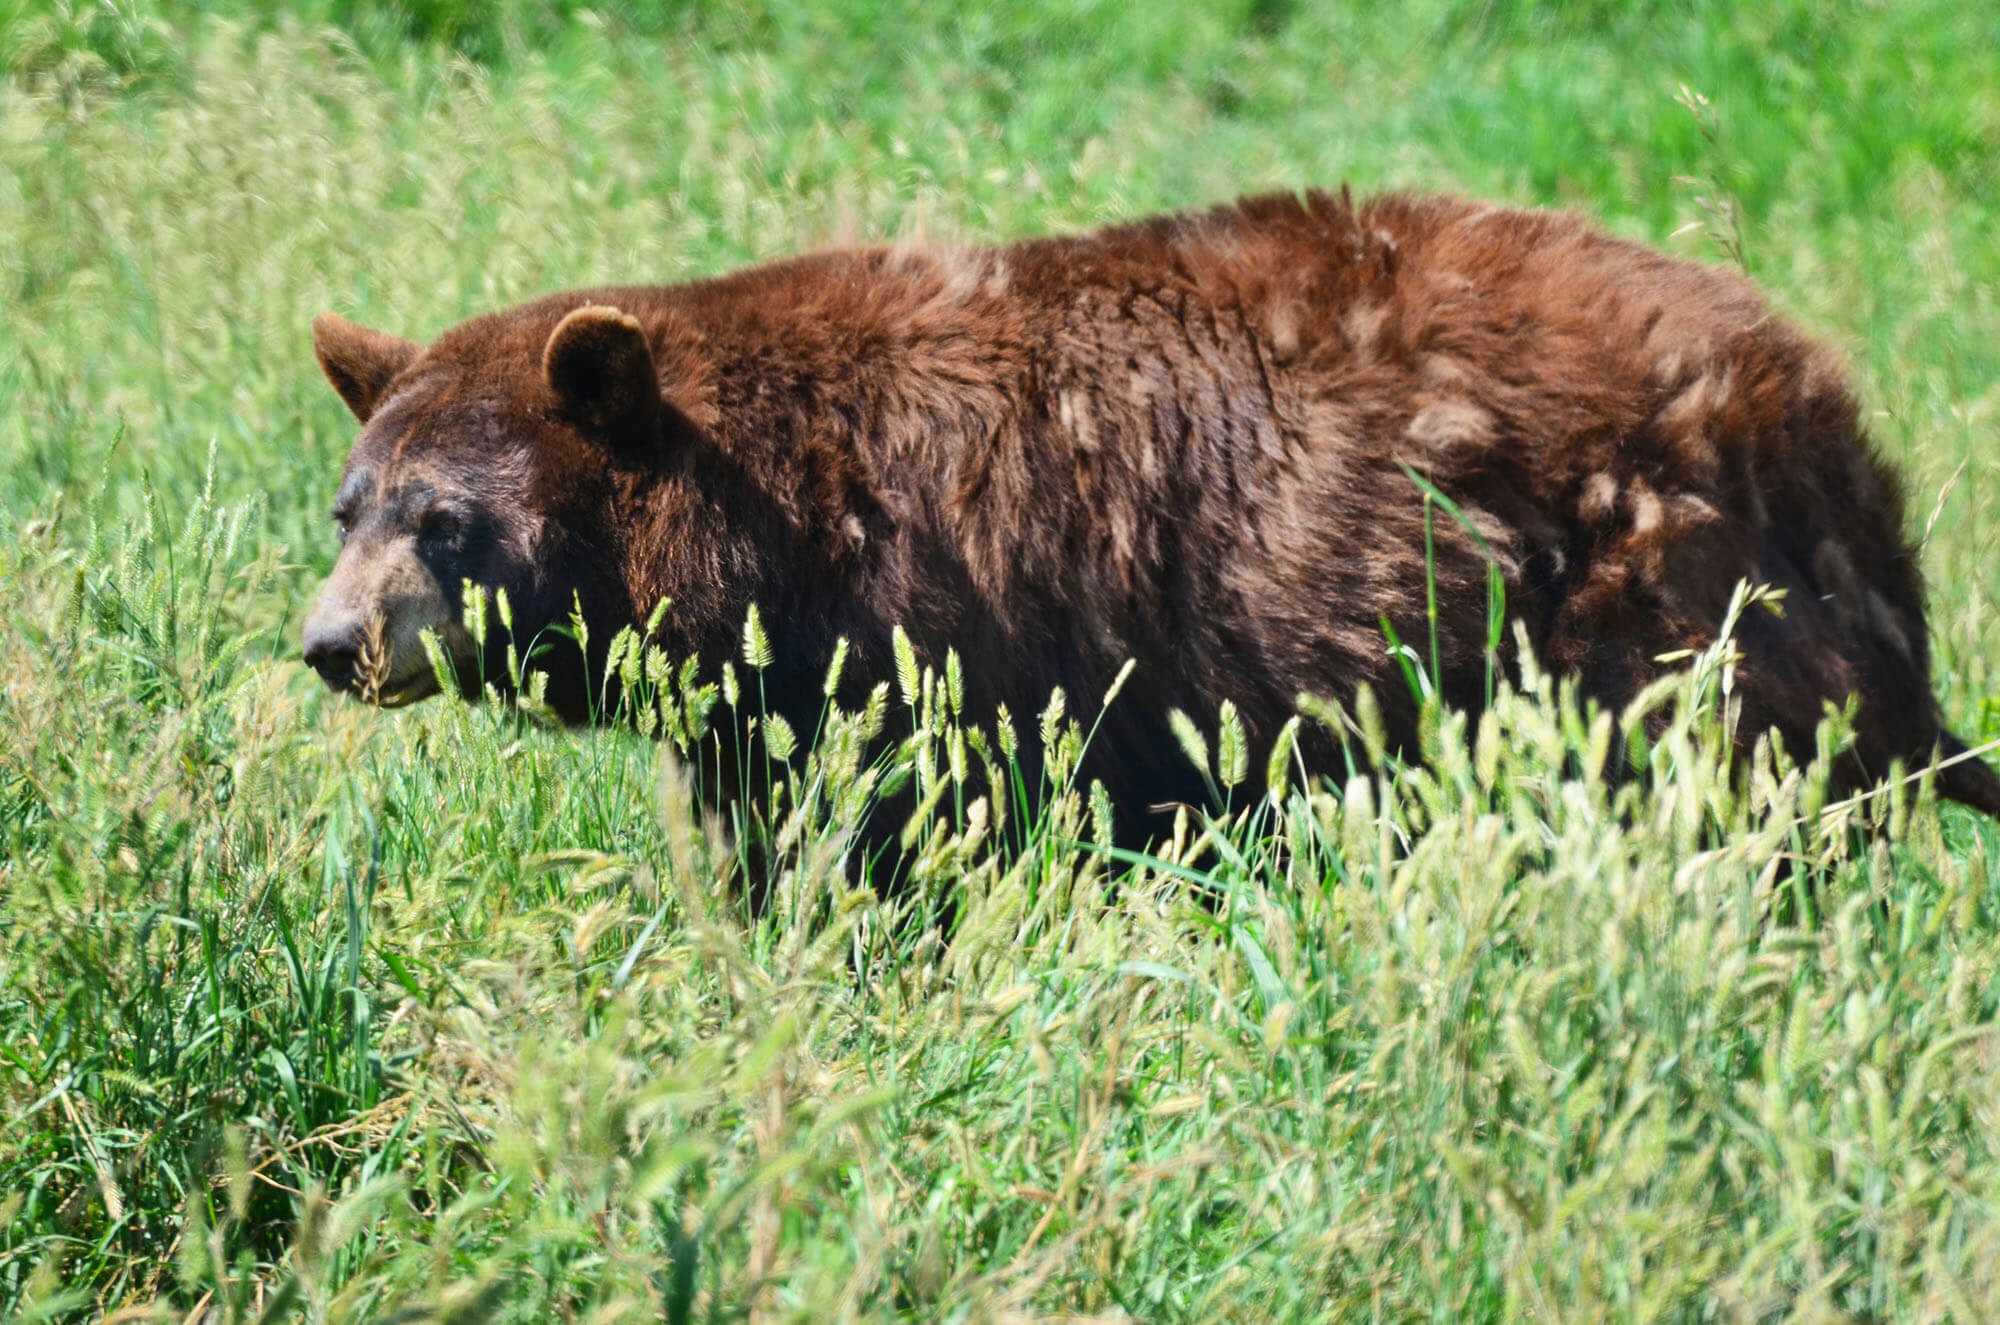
306, 1009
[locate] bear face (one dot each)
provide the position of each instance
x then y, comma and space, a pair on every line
469, 469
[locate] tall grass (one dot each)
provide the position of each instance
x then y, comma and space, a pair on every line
312, 1011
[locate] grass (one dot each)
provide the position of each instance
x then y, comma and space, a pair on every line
310, 1011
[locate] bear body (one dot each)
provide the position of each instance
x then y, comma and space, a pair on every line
1188, 442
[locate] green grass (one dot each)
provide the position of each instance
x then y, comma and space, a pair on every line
307, 1010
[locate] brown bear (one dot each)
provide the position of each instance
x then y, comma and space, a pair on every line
1191, 442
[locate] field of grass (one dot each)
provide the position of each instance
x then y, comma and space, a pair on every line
309, 1011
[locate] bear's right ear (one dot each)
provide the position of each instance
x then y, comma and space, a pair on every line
600, 366
360, 363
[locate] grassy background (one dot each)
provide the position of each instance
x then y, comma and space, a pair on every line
310, 1010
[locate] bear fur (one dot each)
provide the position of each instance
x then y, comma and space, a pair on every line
1182, 442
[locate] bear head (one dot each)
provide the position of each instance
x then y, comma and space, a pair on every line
493, 458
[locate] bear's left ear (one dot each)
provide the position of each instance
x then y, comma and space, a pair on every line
601, 369
360, 363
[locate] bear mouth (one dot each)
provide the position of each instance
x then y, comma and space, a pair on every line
411, 687
415, 688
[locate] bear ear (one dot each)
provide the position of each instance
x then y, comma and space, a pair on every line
360, 363
601, 369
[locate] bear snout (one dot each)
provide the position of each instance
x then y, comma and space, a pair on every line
333, 647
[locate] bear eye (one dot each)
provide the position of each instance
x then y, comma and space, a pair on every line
341, 524
438, 523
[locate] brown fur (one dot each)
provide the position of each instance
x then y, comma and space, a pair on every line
1179, 442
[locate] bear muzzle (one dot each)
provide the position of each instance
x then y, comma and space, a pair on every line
333, 648
359, 658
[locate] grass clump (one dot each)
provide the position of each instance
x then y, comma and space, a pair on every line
310, 1011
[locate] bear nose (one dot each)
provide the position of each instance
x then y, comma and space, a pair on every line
333, 649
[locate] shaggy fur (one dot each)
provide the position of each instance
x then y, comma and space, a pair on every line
1178, 442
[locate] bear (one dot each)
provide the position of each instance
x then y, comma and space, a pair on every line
1216, 444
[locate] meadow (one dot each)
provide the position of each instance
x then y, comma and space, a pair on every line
309, 1011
